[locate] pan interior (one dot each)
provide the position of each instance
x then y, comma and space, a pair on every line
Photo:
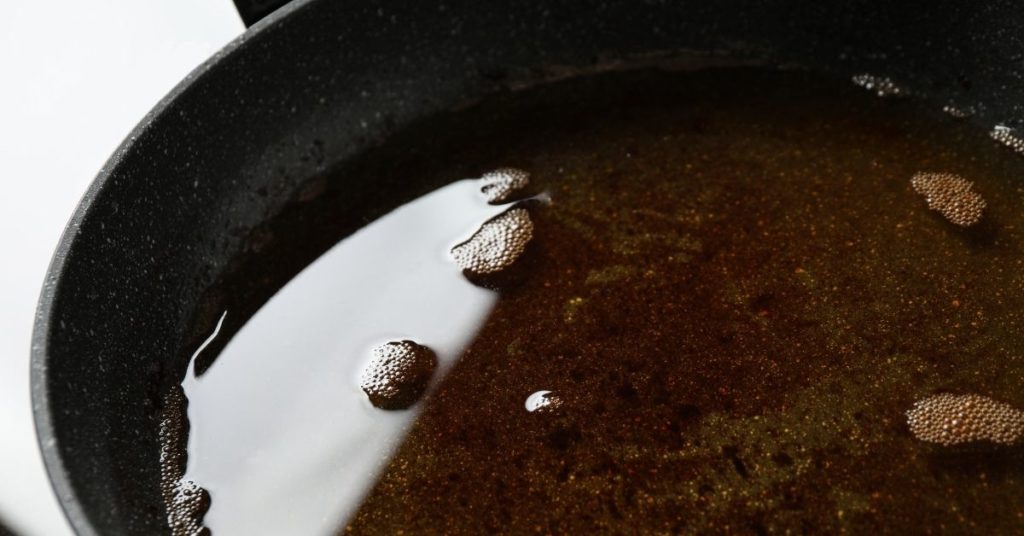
733, 295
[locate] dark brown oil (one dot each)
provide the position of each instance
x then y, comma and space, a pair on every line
734, 296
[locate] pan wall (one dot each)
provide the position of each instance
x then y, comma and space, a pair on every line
317, 83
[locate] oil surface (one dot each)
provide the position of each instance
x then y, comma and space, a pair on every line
729, 305
272, 462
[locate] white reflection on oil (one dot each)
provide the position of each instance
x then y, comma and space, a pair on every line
281, 434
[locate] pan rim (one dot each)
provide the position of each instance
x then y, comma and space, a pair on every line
56, 469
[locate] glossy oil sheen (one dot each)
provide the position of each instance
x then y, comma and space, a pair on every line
735, 293
275, 466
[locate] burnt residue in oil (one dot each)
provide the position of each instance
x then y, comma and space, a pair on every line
737, 294
398, 374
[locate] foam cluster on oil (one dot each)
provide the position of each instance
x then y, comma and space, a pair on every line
186, 501
736, 315
881, 86
399, 374
542, 402
950, 195
501, 184
1008, 137
951, 419
497, 244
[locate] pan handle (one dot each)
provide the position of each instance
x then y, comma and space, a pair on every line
254, 10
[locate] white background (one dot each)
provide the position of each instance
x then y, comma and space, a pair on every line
75, 77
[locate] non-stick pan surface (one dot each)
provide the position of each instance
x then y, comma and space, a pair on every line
310, 88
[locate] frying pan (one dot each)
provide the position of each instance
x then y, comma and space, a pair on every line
313, 86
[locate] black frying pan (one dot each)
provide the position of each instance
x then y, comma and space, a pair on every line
310, 88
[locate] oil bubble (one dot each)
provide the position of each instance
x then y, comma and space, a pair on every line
189, 503
186, 501
497, 244
950, 195
498, 185
542, 401
949, 419
398, 374
1008, 137
957, 112
881, 85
